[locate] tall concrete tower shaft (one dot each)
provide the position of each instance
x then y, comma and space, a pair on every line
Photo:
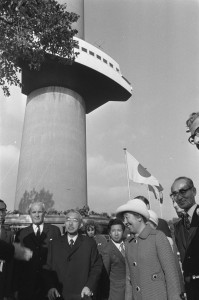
53, 149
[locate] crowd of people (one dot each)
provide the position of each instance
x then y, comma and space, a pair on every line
137, 260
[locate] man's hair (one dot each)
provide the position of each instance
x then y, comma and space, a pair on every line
144, 199
188, 180
1, 201
191, 119
115, 221
76, 212
39, 202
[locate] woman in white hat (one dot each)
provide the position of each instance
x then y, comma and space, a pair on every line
150, 264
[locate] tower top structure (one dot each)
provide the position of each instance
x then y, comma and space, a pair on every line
53, 150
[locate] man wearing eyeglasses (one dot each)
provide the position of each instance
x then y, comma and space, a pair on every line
183, 193
193, 127
75, 262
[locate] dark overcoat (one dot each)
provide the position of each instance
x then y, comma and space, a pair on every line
74, 268
6, 269
29, 274
188, 246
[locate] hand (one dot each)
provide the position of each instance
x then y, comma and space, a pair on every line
86, 292
53, 294
22, 252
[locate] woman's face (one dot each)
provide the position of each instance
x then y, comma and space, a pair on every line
90, 231
132, 222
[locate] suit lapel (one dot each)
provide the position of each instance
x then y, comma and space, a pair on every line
117, 251
182, 234
32, 235
44, 232
194, 227
70, 251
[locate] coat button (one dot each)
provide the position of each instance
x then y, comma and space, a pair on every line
135, 241
134, 264
137, 288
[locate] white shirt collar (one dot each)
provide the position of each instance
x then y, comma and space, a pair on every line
41, 227
72, 238
117, 244
191, 211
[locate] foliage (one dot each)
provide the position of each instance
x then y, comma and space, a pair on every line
33, 196
30, 29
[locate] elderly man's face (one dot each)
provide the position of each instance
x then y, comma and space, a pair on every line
72, 223
183, 194
37, 213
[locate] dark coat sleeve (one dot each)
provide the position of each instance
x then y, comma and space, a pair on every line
95, 268
6, 251
164, 227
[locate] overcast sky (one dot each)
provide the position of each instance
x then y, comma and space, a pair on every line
156, 44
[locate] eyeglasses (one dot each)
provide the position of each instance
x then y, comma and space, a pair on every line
72, 220
192, 137
181, 192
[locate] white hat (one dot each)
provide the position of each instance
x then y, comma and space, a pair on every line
134, 205
153, 217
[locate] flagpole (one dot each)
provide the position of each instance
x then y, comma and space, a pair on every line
160, 203
161, 210
149, 196
127, 172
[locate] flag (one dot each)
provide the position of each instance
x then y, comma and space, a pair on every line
157, 192
138, 173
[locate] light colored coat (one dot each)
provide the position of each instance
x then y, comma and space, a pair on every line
151, 268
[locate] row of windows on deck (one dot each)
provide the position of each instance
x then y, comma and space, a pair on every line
98, 56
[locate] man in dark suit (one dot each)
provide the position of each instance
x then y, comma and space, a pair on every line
6, 268
186, 233
7, 254
114, 261
37, 236
74, 261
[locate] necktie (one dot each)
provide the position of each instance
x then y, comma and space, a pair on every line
38, 231
71, 243
186, 221
122, 250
